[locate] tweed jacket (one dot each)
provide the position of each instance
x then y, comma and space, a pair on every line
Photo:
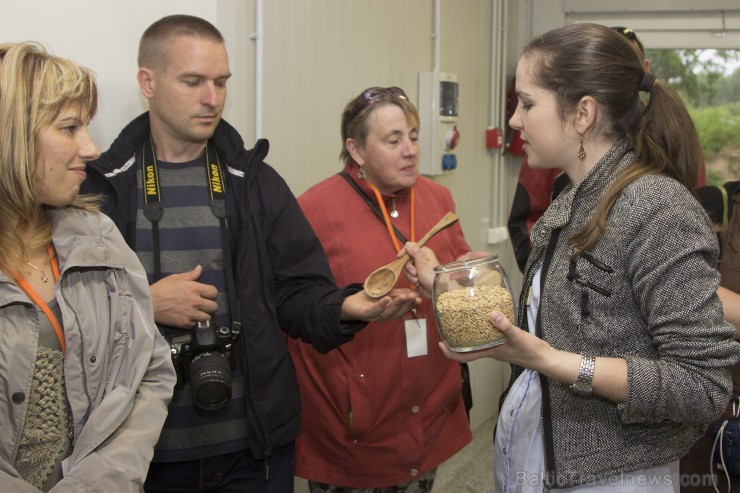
645, 293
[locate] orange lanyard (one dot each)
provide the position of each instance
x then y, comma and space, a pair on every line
387, 218
41, 303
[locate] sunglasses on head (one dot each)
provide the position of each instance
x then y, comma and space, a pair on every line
373, 94
369, 97
626, 32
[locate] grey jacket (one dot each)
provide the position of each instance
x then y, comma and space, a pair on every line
646, 293
118, 370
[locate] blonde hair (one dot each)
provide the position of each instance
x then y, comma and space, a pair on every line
35, 87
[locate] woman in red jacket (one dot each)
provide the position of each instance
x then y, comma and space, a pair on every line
381, 412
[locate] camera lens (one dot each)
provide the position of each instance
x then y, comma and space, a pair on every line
210, 380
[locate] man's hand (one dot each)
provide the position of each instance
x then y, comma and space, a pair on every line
395, 304
180, 300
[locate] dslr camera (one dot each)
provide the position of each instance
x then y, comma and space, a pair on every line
205, 356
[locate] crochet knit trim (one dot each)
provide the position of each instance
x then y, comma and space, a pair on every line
47, 430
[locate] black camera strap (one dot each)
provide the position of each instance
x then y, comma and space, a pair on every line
154, 210
370, 203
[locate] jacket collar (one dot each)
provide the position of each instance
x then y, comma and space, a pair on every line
226, 139
79, 241
592, 186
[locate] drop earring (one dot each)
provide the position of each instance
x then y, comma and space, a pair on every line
581, 151
360, 173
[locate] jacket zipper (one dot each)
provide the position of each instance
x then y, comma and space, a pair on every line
546, 424
247, 394
83, 351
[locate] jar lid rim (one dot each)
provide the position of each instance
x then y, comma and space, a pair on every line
459, 264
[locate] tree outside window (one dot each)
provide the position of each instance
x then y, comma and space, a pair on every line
709, 83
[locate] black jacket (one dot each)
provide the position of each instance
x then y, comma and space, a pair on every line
710, 198
282, 277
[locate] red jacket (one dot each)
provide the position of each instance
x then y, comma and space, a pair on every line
373, 417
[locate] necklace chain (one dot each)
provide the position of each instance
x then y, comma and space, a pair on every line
44, 277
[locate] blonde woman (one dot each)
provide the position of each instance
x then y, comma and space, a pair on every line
85, 378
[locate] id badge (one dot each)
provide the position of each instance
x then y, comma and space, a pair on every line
416, 337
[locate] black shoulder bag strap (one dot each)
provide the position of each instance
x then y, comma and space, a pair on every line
725, 215
370, 203
467, 390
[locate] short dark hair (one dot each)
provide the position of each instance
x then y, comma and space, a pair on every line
151, 45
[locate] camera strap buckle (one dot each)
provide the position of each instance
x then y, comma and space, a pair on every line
236, 328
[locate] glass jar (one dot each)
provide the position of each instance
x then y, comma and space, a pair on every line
464, 294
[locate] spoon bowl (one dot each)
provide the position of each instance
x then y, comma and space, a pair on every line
381, 281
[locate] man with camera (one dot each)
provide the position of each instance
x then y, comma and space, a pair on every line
229, 254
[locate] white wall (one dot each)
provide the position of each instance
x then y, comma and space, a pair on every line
102, 35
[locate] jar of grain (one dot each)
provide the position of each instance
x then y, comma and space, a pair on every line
464, 294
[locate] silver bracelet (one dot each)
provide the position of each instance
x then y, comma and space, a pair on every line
584, 383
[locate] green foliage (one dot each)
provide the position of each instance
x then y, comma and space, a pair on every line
699, 79
715, 178
728, 88
718, 127
713, 99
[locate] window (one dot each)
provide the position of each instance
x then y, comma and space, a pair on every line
709, 82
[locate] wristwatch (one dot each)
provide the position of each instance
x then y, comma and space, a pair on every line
584, 383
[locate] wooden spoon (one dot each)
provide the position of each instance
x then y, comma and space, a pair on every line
382, 280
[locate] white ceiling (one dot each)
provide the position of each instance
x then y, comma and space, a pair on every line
666, 24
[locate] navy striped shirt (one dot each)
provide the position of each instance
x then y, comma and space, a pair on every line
189, 235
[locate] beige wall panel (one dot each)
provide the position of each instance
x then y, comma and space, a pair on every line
321, 53
466, 51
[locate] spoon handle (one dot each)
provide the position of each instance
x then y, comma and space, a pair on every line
381, 280
447, 220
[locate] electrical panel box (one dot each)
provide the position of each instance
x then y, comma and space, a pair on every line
438, 111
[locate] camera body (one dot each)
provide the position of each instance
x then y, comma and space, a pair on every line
205, 356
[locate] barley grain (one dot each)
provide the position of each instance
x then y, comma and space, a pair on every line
462, 315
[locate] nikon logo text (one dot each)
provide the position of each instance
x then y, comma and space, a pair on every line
216, 179
150, 182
